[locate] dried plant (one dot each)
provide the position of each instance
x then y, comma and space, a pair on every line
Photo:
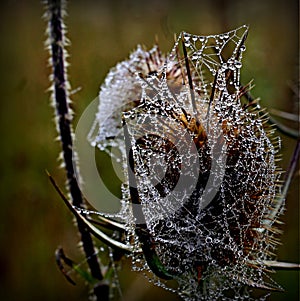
202, 193
55, 11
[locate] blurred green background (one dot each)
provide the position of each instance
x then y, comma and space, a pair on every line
33, 219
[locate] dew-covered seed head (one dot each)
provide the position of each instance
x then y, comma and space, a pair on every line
204, 163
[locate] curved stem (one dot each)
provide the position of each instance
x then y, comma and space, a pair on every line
89, 224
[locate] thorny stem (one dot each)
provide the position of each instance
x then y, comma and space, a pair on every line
56, 42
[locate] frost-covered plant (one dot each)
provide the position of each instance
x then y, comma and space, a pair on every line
202, 191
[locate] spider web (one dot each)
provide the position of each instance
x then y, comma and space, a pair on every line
204, 165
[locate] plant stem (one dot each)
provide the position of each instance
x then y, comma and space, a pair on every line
291, 169
57, 41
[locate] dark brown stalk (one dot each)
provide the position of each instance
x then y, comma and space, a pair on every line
141, 229
57, 41
188, 71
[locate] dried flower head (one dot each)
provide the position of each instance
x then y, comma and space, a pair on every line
202, 185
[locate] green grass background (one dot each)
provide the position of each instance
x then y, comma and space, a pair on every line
33, 219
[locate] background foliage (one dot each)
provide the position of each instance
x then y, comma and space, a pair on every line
33, 219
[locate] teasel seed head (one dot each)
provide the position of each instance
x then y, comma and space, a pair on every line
186, 119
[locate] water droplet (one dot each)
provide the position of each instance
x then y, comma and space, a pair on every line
238, 64
243, 48
208, 240
169, 224
187, 38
